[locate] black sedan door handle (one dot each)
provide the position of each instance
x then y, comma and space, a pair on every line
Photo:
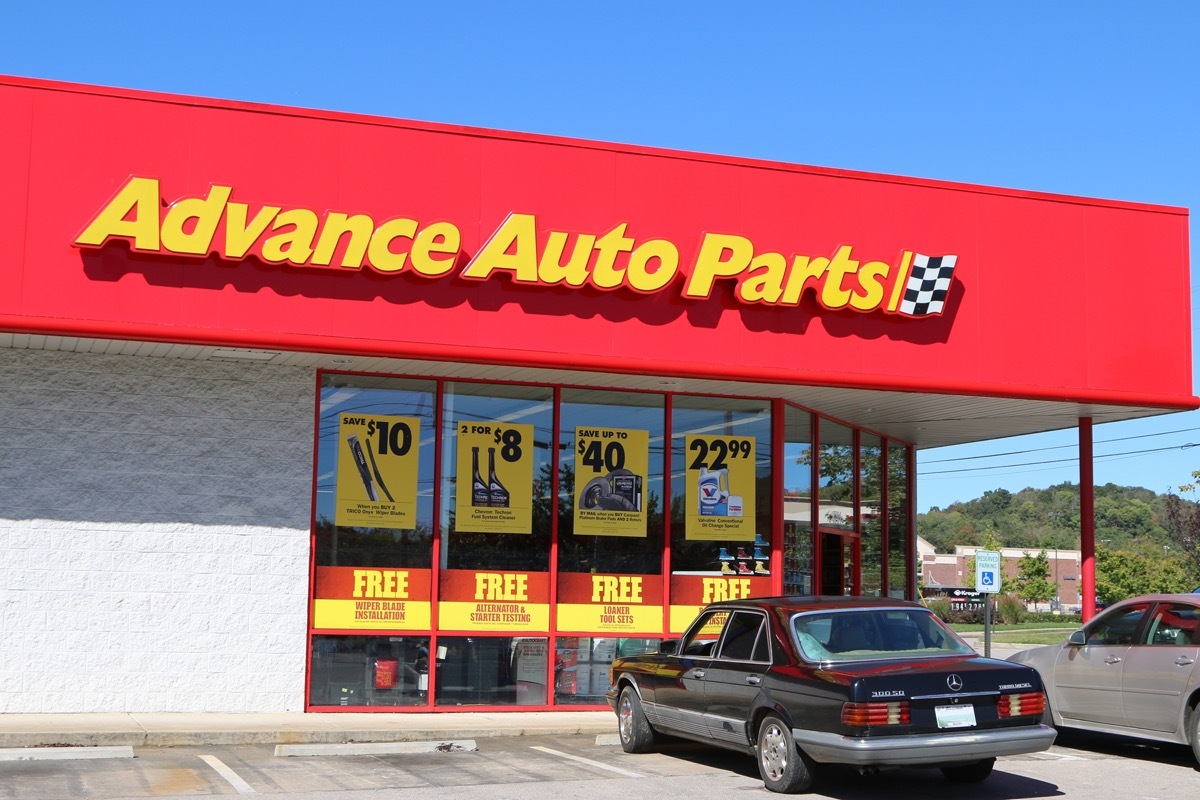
753, 680
1184, 661
1112, 660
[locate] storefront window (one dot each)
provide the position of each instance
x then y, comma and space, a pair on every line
797, 502
496, 477
582, 665
494, 536
594, 493
899, 541
492, 671
611, 482
720, 502
610, 533
835, 458
373, 541
375, 462
870, 504
369, 671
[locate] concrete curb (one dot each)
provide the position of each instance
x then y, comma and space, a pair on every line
63, 753
375, 748
180, 730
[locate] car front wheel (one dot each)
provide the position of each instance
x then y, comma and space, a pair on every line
969, 773
780, 763
632, 726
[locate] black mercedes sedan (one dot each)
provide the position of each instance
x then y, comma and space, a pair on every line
801, 681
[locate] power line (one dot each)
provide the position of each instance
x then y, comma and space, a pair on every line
1061, 447
1129, 453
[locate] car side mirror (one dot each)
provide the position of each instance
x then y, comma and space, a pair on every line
1077, 638
668, 646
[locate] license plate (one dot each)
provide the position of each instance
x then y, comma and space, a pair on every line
955, 716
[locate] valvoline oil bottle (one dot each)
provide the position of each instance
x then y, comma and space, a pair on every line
714, 492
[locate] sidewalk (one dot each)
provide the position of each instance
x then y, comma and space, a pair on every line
180, 729
1001, 650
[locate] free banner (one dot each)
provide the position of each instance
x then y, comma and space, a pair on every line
611, 466
690, 594
720, 488
377, 471
609, 603
371, 598
478, 600
494, 478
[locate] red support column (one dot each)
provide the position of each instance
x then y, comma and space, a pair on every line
1087, 519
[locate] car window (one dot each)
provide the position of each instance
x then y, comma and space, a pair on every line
874, 633
1173, 624
1118, 626
745, 637
703, 634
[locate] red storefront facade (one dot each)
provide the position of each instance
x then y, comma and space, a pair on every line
567, 391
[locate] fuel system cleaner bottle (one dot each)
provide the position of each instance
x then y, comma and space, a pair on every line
480, 496
497, 494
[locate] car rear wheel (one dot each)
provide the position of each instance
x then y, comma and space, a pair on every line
969, 773
1194, 730
780, 763
632, 726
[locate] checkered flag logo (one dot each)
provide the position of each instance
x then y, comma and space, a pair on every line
928, 285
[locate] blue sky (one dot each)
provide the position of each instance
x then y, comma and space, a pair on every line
1087, 98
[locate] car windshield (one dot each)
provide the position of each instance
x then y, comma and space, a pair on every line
874, 633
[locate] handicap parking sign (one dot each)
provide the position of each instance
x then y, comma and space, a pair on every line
987, 571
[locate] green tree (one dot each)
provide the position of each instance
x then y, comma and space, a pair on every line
1183, 526
1033, 583
1128, 573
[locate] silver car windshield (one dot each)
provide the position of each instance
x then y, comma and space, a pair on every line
875, 633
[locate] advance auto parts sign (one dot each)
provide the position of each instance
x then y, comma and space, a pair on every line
910, 284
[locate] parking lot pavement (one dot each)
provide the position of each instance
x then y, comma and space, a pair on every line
554, 767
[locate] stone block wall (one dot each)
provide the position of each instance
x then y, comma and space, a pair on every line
154, 533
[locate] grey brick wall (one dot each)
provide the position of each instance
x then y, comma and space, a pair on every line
154, 533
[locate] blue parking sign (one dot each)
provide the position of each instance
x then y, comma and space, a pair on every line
987, 571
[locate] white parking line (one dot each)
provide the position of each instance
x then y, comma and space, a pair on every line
588, 761
225, 772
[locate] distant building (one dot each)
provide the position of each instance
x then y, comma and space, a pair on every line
950, 570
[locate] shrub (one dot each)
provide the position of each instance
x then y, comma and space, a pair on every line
1064, 620
939, 606
1010, 609
969, 616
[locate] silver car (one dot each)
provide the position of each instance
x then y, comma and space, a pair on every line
1130, 671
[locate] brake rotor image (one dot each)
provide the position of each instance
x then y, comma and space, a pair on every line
596, 490
611, 492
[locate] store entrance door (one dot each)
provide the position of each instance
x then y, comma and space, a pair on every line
839, 564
